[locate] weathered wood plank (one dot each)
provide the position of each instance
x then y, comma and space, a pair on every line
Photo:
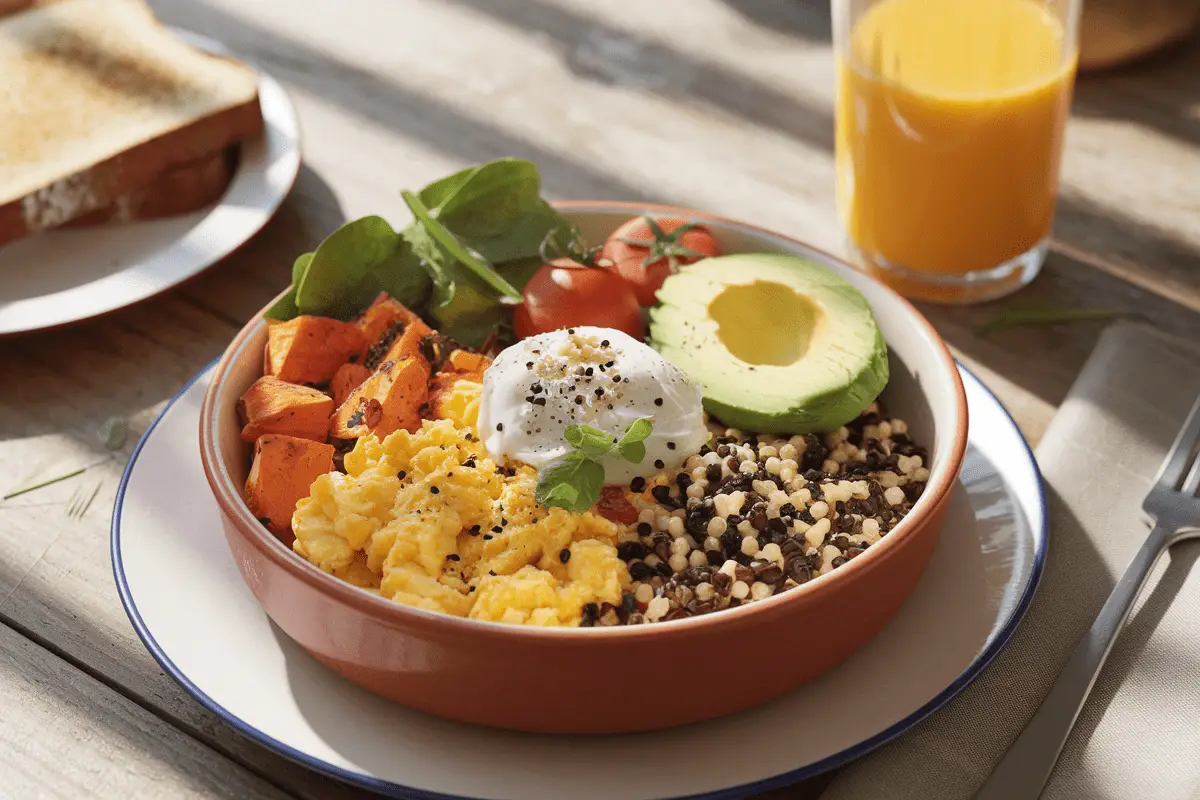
721, 105
65, 735
55, 573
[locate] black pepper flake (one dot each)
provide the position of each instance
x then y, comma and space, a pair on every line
564, 555
492, 572
434, 490
499, 426
474, 530
528, 365
616, 378
453, 557
599, 393
539, 401
401, 475
658, 401
487, 537
604, 343
578, 399
497, 529
659, 463
536, 388
645, 529
470, 590
670, 445
589, 372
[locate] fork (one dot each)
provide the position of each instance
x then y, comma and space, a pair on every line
81, 501
1175, 510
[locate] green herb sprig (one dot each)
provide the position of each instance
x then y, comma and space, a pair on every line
573, 481
1020, 317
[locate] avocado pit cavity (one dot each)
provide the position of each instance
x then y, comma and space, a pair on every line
765, 323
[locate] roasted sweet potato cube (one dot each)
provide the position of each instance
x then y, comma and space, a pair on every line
283, 470
408, 344
466, 361
381, 316
310, 349
274, 406
348, 378
388, 400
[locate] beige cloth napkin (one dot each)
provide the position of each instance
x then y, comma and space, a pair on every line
1138, 737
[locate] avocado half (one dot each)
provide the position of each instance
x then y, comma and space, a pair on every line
780, 344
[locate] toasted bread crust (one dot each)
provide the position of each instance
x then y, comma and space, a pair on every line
101, 184
181, 190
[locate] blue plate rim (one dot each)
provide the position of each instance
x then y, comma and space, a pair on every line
390, 789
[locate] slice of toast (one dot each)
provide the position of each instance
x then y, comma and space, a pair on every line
99, 101
180, 190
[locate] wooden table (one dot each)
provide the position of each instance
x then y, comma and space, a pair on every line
722, 105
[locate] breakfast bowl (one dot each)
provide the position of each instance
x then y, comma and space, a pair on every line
621, 678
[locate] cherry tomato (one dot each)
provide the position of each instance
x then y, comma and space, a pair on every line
644, 251
613, 505
565, 293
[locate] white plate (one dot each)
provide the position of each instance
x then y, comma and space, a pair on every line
187, 602
68, 275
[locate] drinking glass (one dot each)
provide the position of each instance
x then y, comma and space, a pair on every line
950, 119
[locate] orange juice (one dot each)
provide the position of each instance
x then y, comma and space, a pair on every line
949, 131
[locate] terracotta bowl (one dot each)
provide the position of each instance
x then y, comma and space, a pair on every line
606, 680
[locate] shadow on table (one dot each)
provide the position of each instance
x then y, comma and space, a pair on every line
1160, 91
263, 267
604, 53
803, 18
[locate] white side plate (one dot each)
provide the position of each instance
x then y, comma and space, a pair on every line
68, 275
187, 602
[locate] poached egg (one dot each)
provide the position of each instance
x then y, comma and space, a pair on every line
591, 376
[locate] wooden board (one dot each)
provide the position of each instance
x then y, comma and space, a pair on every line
64, 734
724, 105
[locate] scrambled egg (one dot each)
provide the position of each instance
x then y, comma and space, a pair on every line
428, 520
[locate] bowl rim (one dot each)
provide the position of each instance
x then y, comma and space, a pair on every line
229, 497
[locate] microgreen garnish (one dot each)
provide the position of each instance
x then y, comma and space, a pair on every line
665, 245
573, 481
1020, 317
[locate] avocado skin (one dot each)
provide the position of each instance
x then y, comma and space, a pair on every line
749, 397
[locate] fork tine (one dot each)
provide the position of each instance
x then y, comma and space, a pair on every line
1179, 459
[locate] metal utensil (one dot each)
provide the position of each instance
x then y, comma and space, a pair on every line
1175, 510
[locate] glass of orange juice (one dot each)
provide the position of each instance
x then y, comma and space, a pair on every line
950, 118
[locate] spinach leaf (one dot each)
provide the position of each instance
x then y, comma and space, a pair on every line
572, 482
331, 284
400, 275
285, 307
496, 208
464, 307
463, 253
